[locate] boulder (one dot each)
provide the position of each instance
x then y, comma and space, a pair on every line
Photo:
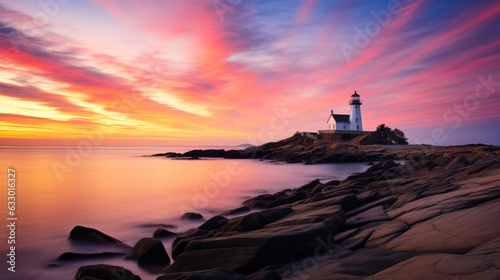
287, 199
308, 187
347, 201
191, 216
180, 242
332, 215
240, 259
213, 223
90, 235
163, 233
287, 238
250, 251
239, 210
150, 251
256, 220
104, 272
260, 201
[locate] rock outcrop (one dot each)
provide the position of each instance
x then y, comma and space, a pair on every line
93, 236
150, 251
433, 217
190, 216
365, 148
163, 233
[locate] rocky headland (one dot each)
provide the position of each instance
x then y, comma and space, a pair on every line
433, 217
305, 149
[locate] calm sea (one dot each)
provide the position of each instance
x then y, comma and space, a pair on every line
118, 191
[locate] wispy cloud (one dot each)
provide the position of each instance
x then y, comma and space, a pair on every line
219, 77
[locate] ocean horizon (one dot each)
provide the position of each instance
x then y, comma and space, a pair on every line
122, 193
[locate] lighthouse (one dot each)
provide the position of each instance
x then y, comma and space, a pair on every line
339, 123
355, 115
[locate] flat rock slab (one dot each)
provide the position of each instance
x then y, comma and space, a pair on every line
179, 243
340, 237
362, 263
389, 200
242, 260
447, 202
417, 216
365, 262
385, 232
236, 211
334, 212
255, 220
456, 232
374, 214
440, 266
356, 241
292, 233
347, 201
247, 252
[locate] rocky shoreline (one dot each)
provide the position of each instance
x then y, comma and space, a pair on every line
433, 217
303, 149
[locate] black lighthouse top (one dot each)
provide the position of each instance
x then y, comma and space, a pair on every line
355, 100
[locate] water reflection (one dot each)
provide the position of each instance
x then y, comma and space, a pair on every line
119, 192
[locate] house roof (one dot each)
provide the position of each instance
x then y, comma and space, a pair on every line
340, 118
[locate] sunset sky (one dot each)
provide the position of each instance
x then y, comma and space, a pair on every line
209, 72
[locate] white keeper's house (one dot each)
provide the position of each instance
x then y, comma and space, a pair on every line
351, 122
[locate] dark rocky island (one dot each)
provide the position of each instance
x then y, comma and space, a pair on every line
433, 217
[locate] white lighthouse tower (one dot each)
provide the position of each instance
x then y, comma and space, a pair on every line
355, 115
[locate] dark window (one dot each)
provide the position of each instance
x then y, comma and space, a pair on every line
358, 127
356, 119
356, 106
344, 126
